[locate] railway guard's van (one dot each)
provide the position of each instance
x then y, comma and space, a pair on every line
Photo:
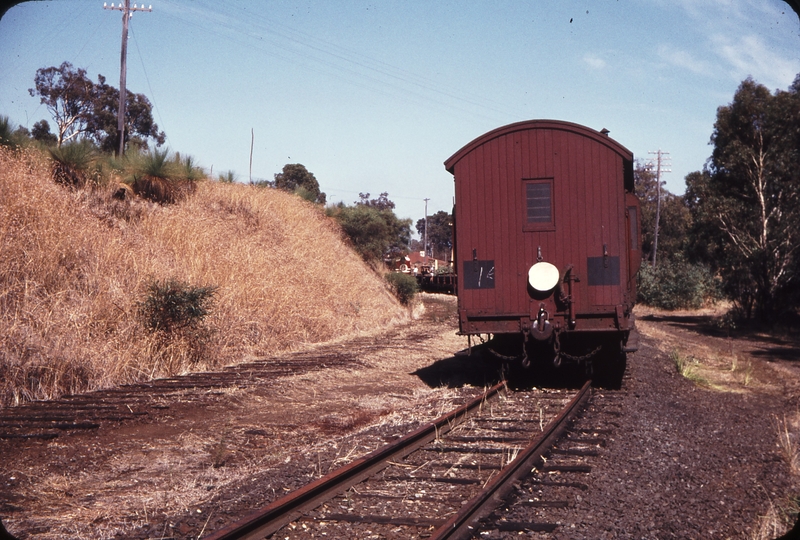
547, 237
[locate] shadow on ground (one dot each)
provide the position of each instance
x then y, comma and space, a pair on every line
770, 345
482, 368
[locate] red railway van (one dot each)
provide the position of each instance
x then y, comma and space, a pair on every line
547, 240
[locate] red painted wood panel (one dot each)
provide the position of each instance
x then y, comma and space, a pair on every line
587, 173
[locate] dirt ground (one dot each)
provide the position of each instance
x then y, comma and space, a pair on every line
204, 458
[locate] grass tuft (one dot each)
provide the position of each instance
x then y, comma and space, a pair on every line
689, 368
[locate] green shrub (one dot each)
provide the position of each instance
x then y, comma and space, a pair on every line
404, 286
227, 177
676, 284
172, 306
73, 163
372, 232
6, 132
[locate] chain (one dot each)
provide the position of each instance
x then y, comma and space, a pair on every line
581, 358
502, 356
559, 354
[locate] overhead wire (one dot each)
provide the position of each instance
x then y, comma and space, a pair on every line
379, 66
149, 86
333, 60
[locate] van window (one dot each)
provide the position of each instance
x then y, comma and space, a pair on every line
539, 204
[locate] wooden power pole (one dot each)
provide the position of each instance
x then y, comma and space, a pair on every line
661, 163
127, 13
425, 234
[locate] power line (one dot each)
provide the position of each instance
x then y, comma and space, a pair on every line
127, 13
152, 94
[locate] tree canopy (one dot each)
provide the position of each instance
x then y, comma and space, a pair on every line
381, 203
83, 109
297, 179
675, 218
373, 228
440, 234
746, 203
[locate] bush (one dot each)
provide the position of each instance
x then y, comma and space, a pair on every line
72, 164
172, 305
403, 286
372, 232
677, 284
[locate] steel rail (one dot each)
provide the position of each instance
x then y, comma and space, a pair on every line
459, 526
282, 511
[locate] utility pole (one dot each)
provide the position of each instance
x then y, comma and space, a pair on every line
425, 236
127, 13
661, 163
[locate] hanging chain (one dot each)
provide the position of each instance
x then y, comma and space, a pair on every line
581, 358
556, 348
503, 356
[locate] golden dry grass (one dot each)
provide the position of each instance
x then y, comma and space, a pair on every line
76, 265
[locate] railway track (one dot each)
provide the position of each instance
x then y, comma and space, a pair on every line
47, 420
436, 482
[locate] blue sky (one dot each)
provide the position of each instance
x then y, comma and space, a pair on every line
373, 96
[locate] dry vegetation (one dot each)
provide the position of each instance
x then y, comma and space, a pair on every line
77, 264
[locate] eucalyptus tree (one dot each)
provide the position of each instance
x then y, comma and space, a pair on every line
746, 203
82, 108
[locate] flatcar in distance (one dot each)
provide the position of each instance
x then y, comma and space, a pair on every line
547, 241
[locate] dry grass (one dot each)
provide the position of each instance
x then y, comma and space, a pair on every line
789, 442
76, 265
710, 363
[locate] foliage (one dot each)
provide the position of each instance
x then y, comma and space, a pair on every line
158, 176
676, 284
295, 177
82, 108
67, 93
172, 305
675, 219
72, 163
228, 177
746, 203
9, 136
403, 286
155, 163
374, 233
41, 132
186, 168
103, 123
381, 203
5, 131
75, 271
440, 233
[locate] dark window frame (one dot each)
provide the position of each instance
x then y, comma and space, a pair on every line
538, 225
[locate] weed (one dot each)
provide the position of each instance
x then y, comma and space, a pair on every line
688, 367
403, 286
228, 177
789, 445
173, 305
748, 374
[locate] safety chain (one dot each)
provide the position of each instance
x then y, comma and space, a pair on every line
581, 358
502, 356
557, 348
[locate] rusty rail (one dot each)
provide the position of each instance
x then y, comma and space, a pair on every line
459, 525
284, 510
